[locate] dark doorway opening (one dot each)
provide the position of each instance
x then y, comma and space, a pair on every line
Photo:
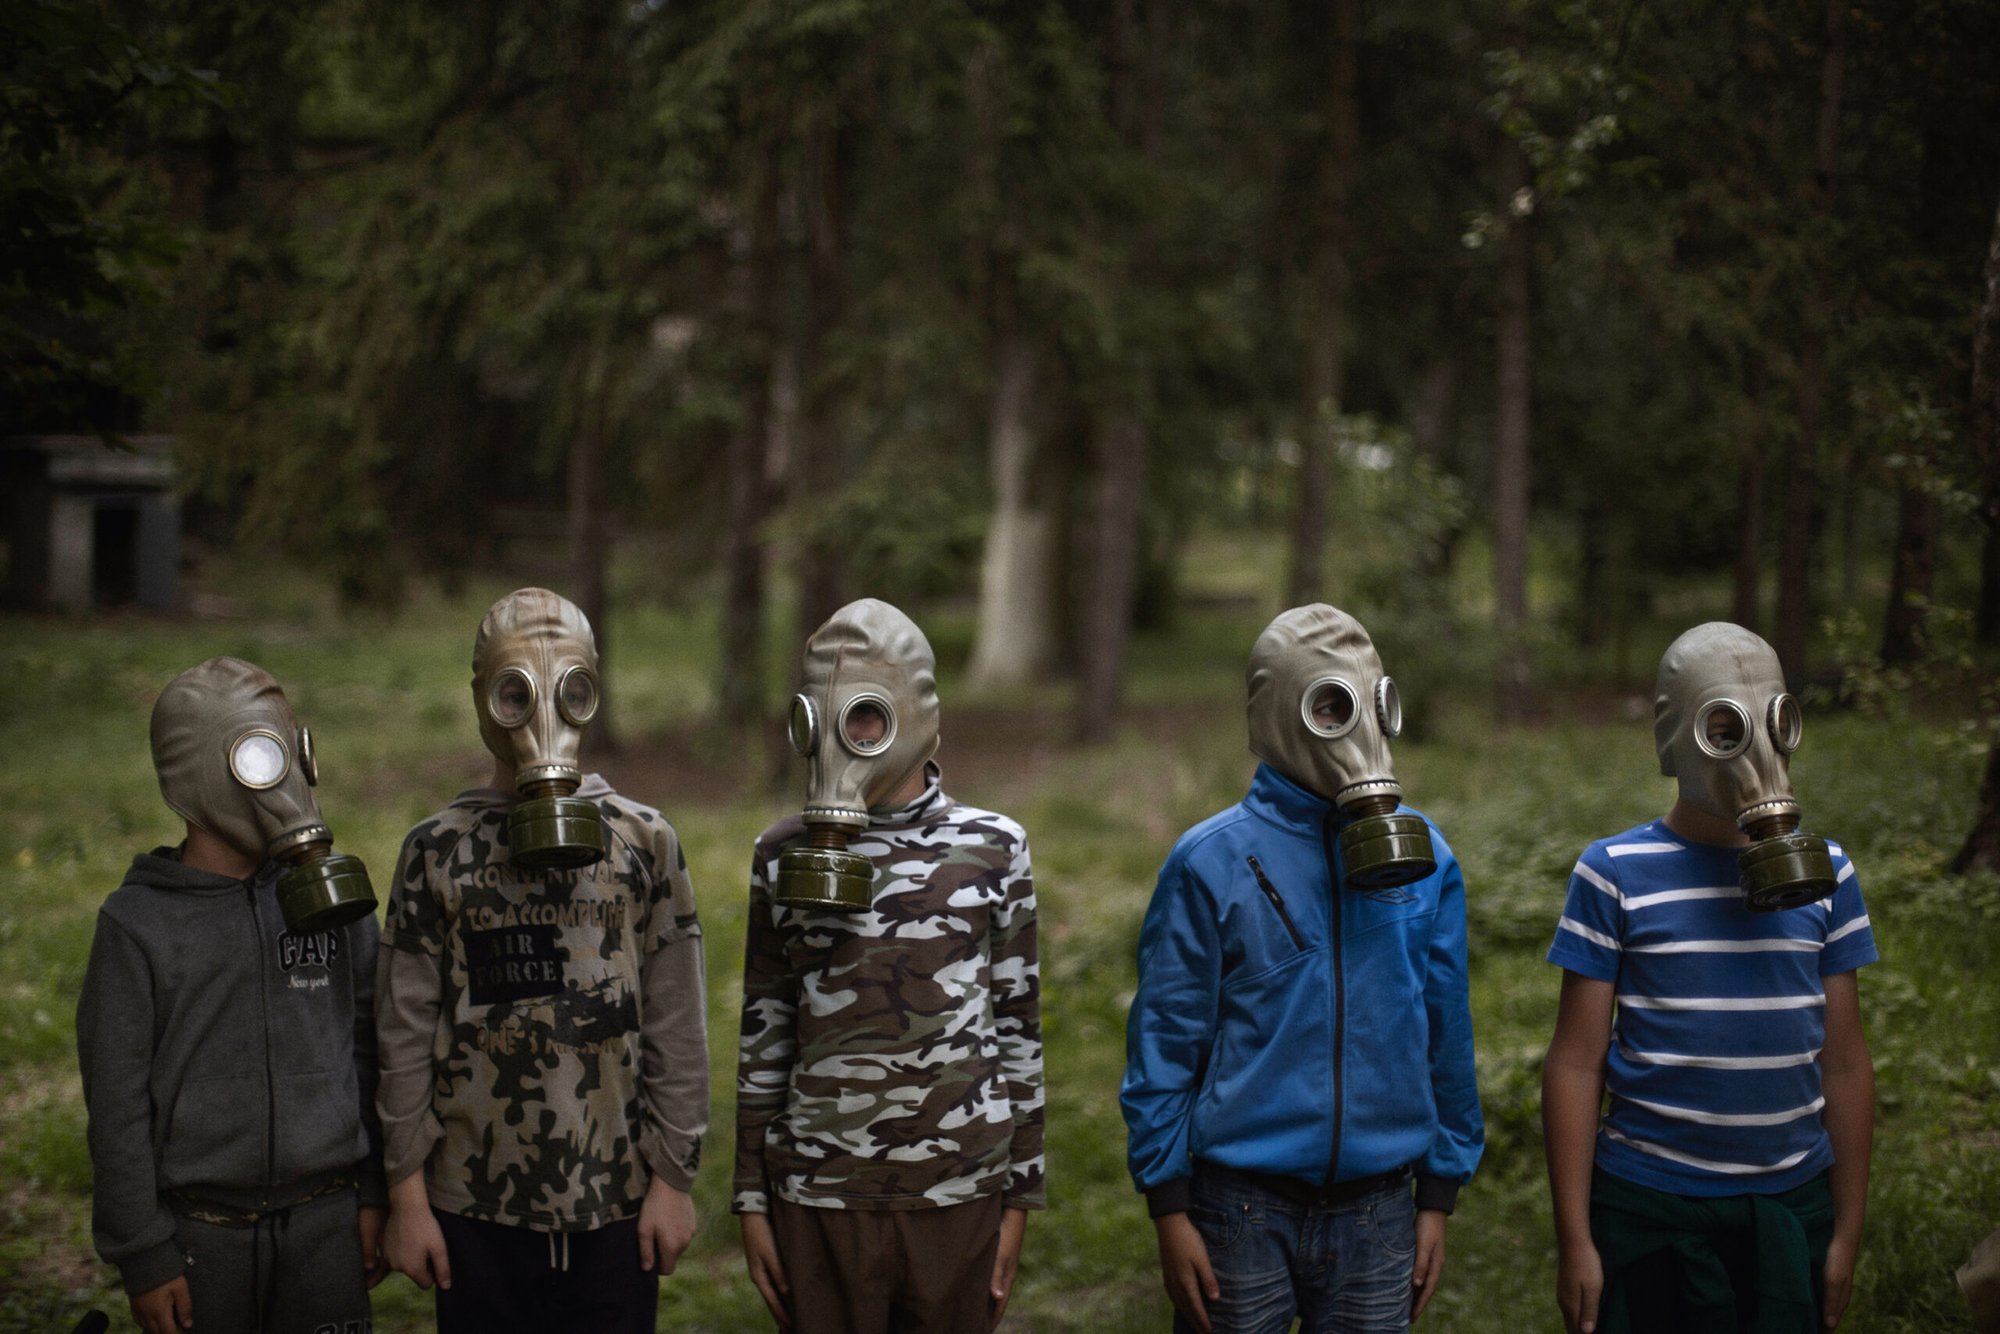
114, 556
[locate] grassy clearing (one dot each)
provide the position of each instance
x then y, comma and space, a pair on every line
388, 700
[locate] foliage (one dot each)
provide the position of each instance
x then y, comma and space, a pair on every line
79, 246
1947, 673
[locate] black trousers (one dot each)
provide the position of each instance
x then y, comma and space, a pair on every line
514, 1280
296, 1271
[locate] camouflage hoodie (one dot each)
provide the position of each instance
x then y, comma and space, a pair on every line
544, 1049
893, 1059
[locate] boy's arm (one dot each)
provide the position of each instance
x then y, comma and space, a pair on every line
1572, 1104
1167, 1035
767, 1046
409, 1002
1460, 1136
409, 996
363, 944
673, 1061
114, 1045
1847, 1080
1017, 1020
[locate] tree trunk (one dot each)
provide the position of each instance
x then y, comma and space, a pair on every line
1433, 428
1117, 432
590, 541
1986, 440
1434, 414
1982, 846
740, 680
1327, 322
1911, 579
1020, 631
1018, 638
822, 471
1118, 461
1746, 605
1510, 443
1795, 553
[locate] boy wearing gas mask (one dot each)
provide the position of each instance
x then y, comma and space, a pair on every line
225, 1035
889, 1079
543, 1033
1300, 1045
1709, 984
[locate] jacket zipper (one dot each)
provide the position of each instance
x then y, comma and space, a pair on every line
264, 1013
1271, 893
1339, 991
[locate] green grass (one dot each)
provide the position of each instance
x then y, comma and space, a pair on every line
387, 699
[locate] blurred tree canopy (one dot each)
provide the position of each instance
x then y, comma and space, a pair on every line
970, 297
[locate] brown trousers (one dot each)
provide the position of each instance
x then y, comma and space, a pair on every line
889, 1271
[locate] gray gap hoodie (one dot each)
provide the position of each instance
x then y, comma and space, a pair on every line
223, 1057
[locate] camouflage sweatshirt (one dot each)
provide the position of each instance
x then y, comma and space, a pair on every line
543, 1039
892, 1059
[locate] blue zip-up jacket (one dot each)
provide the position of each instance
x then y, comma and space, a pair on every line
1285, 1026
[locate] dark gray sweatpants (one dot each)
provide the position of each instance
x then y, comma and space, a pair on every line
296, 1271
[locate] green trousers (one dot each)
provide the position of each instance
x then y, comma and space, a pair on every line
1738, 1264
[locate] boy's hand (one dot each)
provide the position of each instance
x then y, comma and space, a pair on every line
372, 1219
666, 1226
1429, 1264
1184, 1268
1579, 1283
760, 1255
413, 1244
1837, 1280
165, 1309
1013, 1226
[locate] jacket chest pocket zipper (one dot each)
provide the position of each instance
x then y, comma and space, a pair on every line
1271, 893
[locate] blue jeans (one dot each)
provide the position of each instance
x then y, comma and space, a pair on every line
1339, 1268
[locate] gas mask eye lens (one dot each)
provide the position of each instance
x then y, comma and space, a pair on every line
512, 698
1389, 708
308, 758
1722, 729
867, 725
576, 696
1787, 723
804, 726
1331, 708
258, 759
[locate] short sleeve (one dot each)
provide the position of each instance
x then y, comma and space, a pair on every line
1592, 927
1850, 940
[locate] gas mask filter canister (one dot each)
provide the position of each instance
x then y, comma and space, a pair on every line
534, 682
1322, 712
1725, 728
234, 761
866, 719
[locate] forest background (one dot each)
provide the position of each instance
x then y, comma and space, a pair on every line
1094, 335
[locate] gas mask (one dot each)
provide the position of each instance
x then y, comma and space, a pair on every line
1322, 713
534, 682
866, 720
1725, 728
233, 760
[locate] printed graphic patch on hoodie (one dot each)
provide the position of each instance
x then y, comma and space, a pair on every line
315, 952
513, 963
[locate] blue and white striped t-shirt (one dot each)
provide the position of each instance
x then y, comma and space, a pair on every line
1713, 1068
